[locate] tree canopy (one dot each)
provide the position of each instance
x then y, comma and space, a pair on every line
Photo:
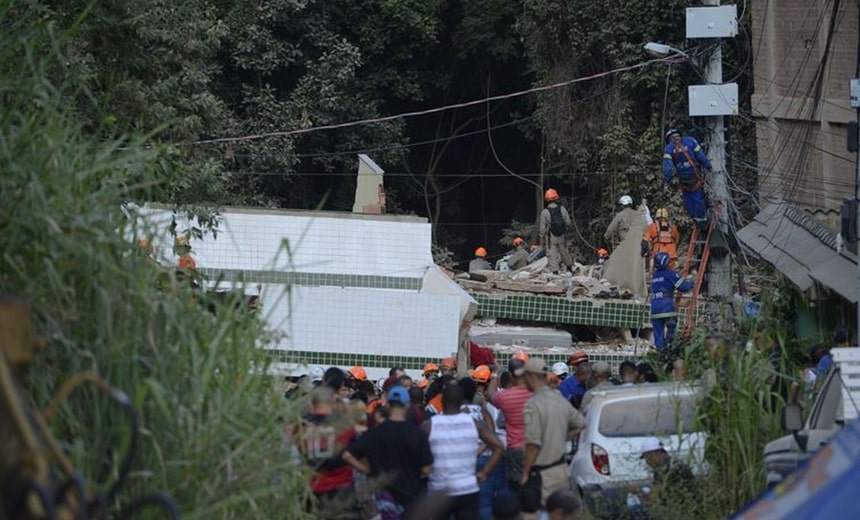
188, 75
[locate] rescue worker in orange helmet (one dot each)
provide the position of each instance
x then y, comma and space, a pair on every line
602, 256
430, 373
480, 261
358, 373
520, 256
661, 237
448, 366
430, 370
554, 223
481, 374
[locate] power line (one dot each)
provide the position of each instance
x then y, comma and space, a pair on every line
400, 146
348, 124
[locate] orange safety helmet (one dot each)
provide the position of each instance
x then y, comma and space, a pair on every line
423, 383
480, 252
602, 253
518, 241
481, 374
520, 355
448, 363
551, 195
580, 356
358, 373
430, 367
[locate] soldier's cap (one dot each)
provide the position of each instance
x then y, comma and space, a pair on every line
536, 365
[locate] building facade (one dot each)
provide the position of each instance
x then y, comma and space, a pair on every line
804, 54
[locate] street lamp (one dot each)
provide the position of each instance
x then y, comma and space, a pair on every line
661, 50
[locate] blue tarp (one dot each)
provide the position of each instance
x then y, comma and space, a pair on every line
827, 487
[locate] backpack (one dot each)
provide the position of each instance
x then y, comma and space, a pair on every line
557, 226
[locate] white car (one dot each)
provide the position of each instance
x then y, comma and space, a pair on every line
618, 420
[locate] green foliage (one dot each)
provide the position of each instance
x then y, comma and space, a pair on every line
211, 425
604, 137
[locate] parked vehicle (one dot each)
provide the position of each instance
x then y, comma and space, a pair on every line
618, 420
836, 403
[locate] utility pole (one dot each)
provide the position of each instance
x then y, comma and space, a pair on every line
720, 263
854, 142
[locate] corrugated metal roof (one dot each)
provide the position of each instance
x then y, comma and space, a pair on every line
801, 248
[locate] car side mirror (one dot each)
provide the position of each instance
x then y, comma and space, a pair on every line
792, 417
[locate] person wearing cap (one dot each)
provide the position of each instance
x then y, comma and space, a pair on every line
398, 454
519, 256
550, 422
479, 263
668, 474
316, 376
512, 402
454, 437
561, 370
571, 386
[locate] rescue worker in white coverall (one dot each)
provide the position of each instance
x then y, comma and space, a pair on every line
621, 223
554, 223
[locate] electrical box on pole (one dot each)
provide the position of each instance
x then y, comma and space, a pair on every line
713, 100
712, 22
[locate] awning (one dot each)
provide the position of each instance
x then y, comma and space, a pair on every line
800, 248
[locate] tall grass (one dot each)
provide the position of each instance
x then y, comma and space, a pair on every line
740, 410
211, 428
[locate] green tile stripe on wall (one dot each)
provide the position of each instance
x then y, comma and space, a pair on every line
555, 309
328, 359
312, 279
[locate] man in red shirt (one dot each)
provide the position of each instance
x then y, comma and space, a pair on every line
322, 439
512, 403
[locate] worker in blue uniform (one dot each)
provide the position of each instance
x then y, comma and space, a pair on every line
684, 156
664, 283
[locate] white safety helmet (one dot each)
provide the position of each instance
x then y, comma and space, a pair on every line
316, 374
560, 369
625, 200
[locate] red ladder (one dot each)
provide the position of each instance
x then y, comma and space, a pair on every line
698, 253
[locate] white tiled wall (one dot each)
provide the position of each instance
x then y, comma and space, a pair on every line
363, 321
312, 244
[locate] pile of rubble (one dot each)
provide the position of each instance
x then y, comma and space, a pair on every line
584, 281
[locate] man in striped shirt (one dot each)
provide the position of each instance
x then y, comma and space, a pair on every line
512, 403
454, 444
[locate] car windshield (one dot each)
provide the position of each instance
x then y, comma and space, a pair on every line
655, 415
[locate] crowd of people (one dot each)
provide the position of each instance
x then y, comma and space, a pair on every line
486, 443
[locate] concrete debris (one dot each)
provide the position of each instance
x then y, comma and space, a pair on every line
585, 281
549, 342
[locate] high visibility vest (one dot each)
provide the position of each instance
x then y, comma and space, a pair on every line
664, 234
